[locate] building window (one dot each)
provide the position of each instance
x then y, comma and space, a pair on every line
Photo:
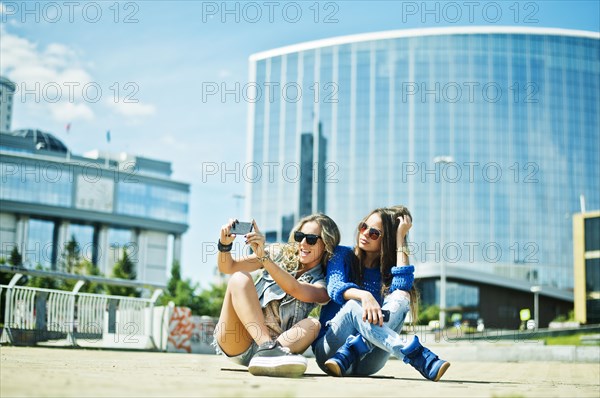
39, 247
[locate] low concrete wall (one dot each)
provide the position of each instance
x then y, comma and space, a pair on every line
515, 352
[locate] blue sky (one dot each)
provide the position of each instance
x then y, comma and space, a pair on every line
161, 54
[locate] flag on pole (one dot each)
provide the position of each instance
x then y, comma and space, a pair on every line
108, 136
68, 127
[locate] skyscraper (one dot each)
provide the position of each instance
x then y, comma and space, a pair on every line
514, 109
7, 90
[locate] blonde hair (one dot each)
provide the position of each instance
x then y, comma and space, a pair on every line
330, 234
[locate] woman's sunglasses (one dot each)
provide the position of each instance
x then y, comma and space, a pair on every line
374, 233
311, 239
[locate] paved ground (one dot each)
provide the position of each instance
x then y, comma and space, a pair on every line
26, 371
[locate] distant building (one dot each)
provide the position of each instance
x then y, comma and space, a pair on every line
516, 112
108, 202
7, 90
586, 260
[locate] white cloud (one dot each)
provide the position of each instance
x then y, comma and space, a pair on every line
67, 112
50, 79
131, 109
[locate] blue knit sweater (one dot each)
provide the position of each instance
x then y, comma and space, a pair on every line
339, 280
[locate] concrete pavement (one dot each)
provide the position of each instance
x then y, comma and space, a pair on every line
35, 371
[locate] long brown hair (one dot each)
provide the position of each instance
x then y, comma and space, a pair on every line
400, 210
387, 255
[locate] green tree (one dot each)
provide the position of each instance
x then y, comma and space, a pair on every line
570, 317
71, 256
88, 268
5, 278
212, 300
16, 259
180, 292
124, 269
72, 262
185, 293
431, 313
46, 282
174, 280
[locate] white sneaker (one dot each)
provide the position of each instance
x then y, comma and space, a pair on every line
271, 359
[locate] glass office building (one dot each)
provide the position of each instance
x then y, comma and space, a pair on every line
491, 137
108, 203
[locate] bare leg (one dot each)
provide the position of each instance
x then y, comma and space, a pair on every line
301, 335
241, 320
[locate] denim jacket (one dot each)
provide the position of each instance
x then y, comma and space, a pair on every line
291, 310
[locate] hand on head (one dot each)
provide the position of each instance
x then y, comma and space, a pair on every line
403, 227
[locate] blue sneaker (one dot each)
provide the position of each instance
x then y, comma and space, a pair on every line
425, 361
351, 352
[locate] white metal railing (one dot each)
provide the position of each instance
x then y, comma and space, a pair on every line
131, 317
91, 309
22, 304
44, 311
59, 311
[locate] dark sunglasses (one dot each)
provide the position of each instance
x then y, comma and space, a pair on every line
374, 233
311, 239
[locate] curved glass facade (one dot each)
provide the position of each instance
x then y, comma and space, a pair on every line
147, 200
54, 184
48, 196
489, 137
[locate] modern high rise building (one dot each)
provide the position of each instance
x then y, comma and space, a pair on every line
586, 261
107, 202
7, 90
488, 134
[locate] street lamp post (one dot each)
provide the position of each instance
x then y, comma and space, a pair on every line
442, 160
536, 304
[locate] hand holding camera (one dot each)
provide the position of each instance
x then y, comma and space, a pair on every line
227, 236
249, 229
256, 240
241, 227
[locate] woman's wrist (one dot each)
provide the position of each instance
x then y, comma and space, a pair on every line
224, 248
403, 249
262, 255
261, 251
365, 295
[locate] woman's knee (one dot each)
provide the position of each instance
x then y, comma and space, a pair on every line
310, 326
240, 279
307, 328
399, 295
345, 318
354, 307
315, 325
399, 306
397, 301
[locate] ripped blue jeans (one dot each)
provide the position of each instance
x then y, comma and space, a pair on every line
384, 340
